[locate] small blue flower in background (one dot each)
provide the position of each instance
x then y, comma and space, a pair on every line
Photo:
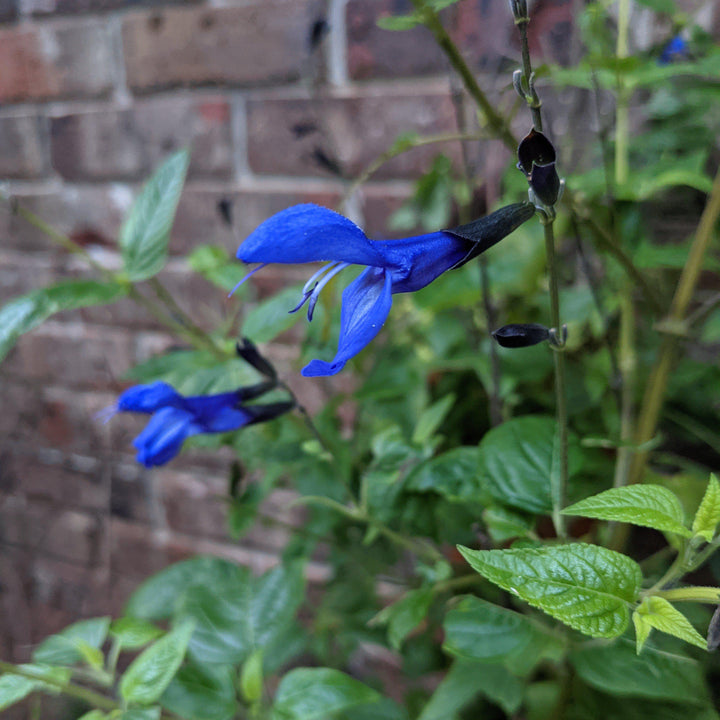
309, 233
176, 417
676, 49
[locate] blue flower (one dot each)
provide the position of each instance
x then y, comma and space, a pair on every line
175, 417
676, 49
309, 233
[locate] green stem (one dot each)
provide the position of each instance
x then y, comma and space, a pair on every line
627, 365
660, 373
77, 691
531, 98
494, 120
691, 594
622, 116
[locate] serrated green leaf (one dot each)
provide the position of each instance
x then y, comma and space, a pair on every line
642, 630
617, 669
403, 616
650, 506
658, 613
145, 233
151, 672
431, 419
707, 516
465, 680
65, 648
587, 587
272, 316
131, 633
478, 630
516, 460
26, 312
317, 693
202, 692
14, 688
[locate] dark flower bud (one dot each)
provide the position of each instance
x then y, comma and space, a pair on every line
536, 158
248, 351
262, 413
250, 392
521, 335
487, 231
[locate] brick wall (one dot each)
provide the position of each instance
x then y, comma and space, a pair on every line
282, 101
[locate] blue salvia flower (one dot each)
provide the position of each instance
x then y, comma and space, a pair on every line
676, 49
309, 233
176, 417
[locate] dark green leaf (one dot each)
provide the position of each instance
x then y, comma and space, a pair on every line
65, 648
454, 474
202, 692
617, 669
585, 586
504, 524
403, 616
317, 693
431, 419
151, 672
668, 7
145, 232
151, 713
650, 506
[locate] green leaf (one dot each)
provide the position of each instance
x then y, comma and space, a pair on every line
432, 419
650, 506
585, 586
453, 474
70, 646
403, 616
658, 613
131, 633
202, 692
158, 597
271, 317
93, 715
242, 613
661, 6
707, 516
465, 680
400, 22
216, 266
145, 232
251, 677
26, 312
478, 630
316, 693
516, 461
14, 688
504, 524
617, 669
642, 630
151, 713
152, 671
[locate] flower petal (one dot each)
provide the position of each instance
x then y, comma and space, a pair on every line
308, 233
148, 398
365, 306
164, 435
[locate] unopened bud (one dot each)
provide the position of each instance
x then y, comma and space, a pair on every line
521, 335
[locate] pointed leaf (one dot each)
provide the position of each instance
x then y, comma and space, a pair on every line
317, 693
65, 647
14, 688
642, 631
131, 633
152, 671
585, 586
650, 506
202, 692
617, 669
405, 615
431, 419
658, 613
708, 514
145, 233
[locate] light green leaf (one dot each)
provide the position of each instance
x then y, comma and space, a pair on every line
271, 317
400, 22
617, 669
152, 671
145, 232
317, 693
251, 677
650, 506
131, 633
202, 692
26, 312
658, 613
642, 630
504, 524
14, 688
478, 630
431, 419
403, 616
70, 646
516, 462
465, 680
93, 715
216, 266
585, 586
151, 713
708, 514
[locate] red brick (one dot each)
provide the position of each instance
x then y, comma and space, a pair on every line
288, 134
8, 10
23, 147
260, 43
374, 52
45, 63
129, 144
20, 273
